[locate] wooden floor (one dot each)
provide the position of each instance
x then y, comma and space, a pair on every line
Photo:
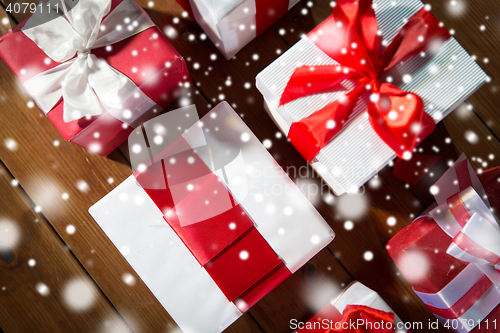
50, 247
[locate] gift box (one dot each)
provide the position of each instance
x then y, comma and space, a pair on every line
451, 253
212, 223
232, 24
97, 71
356, 309
367, 84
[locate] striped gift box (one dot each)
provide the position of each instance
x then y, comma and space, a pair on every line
443, 78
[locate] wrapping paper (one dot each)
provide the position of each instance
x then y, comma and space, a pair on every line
167, 246
145, 60
356, 294
232, 24
451, 278
442, 78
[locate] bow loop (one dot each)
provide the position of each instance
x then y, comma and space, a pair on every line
399, 118
466, 217
85, 20
351, 36
478, 242
376, 321
86, 83
312, 133
422, 32
309, 80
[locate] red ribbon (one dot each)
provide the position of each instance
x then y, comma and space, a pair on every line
226, 243
466, 302
375, 321
267, 12
478, 251
350, 37
462, 213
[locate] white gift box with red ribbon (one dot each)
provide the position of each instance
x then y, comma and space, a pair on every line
443, 80
282, 215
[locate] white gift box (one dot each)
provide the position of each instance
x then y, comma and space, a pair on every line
280, 212
230, 24
358, 294
443, 80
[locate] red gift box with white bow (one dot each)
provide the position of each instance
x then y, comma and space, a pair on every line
97, 71
451, 253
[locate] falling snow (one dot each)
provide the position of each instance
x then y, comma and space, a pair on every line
414, 265
79, 294
70, 229
471, 136
9, 234
368, 255
82, 186
42, 289
11, 144
128, 279
348, 225
352, 207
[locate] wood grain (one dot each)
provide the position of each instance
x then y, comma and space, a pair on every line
37, 273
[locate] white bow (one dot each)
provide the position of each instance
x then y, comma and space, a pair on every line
86, 84
475, 238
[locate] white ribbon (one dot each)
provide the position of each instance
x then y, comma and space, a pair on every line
481, 228
87, 84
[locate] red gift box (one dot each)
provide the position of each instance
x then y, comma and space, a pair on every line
357, 309
423, 253
146, 58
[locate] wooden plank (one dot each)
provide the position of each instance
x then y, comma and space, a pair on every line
302, 295
461, 132
43, 286
47, 167
6, 21
477, 28
370, 232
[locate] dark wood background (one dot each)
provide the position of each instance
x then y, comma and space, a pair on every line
37, 167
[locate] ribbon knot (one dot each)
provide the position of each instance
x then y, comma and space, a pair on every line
351, 38
83, 54
465, 215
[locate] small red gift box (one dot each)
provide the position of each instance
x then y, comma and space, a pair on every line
98, 71
450, 253
357, 309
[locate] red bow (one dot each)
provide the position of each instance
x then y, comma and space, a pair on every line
351, 38
355, 319
370, 316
